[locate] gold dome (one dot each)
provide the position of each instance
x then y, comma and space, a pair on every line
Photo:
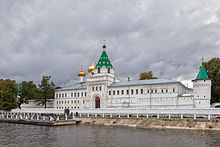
91, 68
81, 73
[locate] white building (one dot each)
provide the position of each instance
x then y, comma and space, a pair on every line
102, 90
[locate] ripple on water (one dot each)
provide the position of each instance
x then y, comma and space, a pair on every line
28, 135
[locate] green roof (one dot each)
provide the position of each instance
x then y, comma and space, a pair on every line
104, 61
202, 74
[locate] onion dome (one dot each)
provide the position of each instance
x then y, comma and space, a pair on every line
81, 73
91, 68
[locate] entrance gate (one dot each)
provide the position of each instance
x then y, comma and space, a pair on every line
97, 102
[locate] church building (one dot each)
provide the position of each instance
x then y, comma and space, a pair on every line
101, 89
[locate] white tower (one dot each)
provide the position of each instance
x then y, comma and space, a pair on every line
202, 89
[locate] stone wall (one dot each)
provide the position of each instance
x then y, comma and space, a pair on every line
188, 124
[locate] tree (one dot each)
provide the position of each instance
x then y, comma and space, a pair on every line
213, 70
8, 94
28, 90
46, 91
146, 75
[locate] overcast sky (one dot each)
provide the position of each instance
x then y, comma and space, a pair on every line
56, 37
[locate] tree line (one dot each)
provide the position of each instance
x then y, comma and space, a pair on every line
13, 94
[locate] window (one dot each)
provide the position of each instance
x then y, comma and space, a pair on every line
173, 90
74, 94
82, 94
155, 90
122, 92
162, 91
65, 94
113, 92
92, 88
142, 91
96, 88
62, 95
132, 91
56, 95
127, 92
57, 102
83, 101
166, 90
71, 94
148, 91
117, 92
75, 101
136, 91
59, 95
98, 69
100, 88
152, 91
108, 69
72, 102
78, 101
68, 102
109, 92
85, 93
78, 94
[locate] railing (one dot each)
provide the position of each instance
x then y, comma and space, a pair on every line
211, 113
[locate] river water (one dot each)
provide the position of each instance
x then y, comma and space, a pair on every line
18, 135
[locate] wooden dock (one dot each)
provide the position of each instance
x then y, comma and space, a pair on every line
40, 122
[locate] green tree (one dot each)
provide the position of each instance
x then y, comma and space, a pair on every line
28, 91
213, 70
8, 94
46, 91
146, 75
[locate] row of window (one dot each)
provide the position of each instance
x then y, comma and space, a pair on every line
107, 68
70, 102
137, 91
97, 88
67, 107
64, 95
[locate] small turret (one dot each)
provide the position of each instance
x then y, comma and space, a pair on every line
81, 75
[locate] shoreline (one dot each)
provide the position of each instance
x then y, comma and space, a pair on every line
184, 124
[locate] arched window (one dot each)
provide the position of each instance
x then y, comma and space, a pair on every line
98, 69
108, 69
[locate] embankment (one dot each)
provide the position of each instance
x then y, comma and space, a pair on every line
189, 124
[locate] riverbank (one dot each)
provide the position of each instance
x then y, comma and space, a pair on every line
186, 124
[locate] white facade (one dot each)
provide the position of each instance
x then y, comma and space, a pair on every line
102, 90
202, 93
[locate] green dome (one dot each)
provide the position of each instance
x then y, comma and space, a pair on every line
202, 74
104, 61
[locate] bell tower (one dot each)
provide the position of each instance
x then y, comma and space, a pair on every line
98, 81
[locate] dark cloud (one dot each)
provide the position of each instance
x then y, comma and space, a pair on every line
56, 37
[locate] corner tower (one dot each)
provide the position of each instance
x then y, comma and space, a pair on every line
202, 89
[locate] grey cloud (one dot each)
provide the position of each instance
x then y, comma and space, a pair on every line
57, 37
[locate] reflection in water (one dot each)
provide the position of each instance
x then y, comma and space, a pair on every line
68, 136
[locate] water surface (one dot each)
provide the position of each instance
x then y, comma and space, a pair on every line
14, 135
